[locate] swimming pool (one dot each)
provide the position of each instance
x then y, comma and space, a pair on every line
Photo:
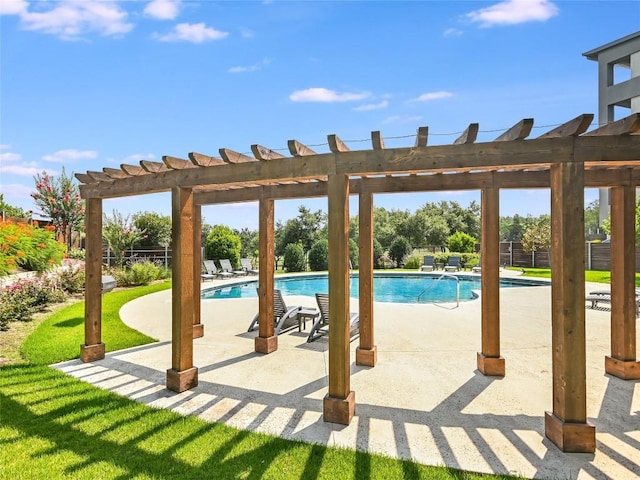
393, 288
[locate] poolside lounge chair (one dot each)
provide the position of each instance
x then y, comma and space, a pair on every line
225, 265
428, 264
453, 265
321, 324
285, 317
213, 272
248, 267
604, 296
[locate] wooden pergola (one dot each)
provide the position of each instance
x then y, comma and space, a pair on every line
566, 160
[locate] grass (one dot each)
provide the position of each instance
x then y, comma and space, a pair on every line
55, 426
59, 337
596, 276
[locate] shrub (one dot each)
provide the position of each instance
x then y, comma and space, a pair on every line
28, 246
223, 243
18, 302
76, 254
139, 272
294, 258
378, 252
354, 253
71, 278
319, 256
462, 242
399, 249
413, 261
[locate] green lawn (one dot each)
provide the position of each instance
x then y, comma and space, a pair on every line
597, 276
55, 426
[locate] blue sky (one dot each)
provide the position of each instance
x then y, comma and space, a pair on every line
88, 84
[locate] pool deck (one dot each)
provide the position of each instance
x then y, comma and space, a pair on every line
424, 400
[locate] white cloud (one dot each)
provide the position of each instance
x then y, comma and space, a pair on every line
453, 32
163, 9
10, 157
25, 170
191, 32
324, 95
13, 7
134, 158
401, 119
427, 97
16, 190
511, 12
70, 155
70, 19
372, 106
246, 33
250, 68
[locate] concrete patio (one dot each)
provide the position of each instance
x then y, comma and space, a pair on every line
424, 400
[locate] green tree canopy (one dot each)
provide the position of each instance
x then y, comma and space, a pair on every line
223, 243
156, 228
462, 243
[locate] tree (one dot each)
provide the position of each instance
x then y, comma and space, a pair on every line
399, 249
59, 199
156, 228
319, 255
120, 234
294, 258
7, 210
249, 240
305, 229
537, 237
592, 218
223, 243
462, 243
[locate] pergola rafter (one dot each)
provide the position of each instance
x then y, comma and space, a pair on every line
565, 159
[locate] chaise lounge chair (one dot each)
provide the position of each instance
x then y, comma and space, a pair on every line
428, 264
225, 265
453, 265
285, 317
213, 272
248, 267
321, 324
604, 296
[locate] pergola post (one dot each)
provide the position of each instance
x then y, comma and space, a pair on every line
489, 360
266, 341
623, 363
198, 327
182, 375
93, 348
339, 403
567, 425
367, 352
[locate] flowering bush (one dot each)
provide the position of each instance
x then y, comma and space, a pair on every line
119, 234
18, 302
71, 277
27, 246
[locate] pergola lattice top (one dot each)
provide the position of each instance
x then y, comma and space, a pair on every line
509, 161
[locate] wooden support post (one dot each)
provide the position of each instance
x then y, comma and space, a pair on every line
367, 352
198, 327
623, 363
339, 403
182, 375
567, 425
489, 360
266, 341
93, 348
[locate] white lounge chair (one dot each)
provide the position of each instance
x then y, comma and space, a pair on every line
213, 272
225, 265
321, 324
248, 267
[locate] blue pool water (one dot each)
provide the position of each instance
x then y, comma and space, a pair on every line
394, 288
